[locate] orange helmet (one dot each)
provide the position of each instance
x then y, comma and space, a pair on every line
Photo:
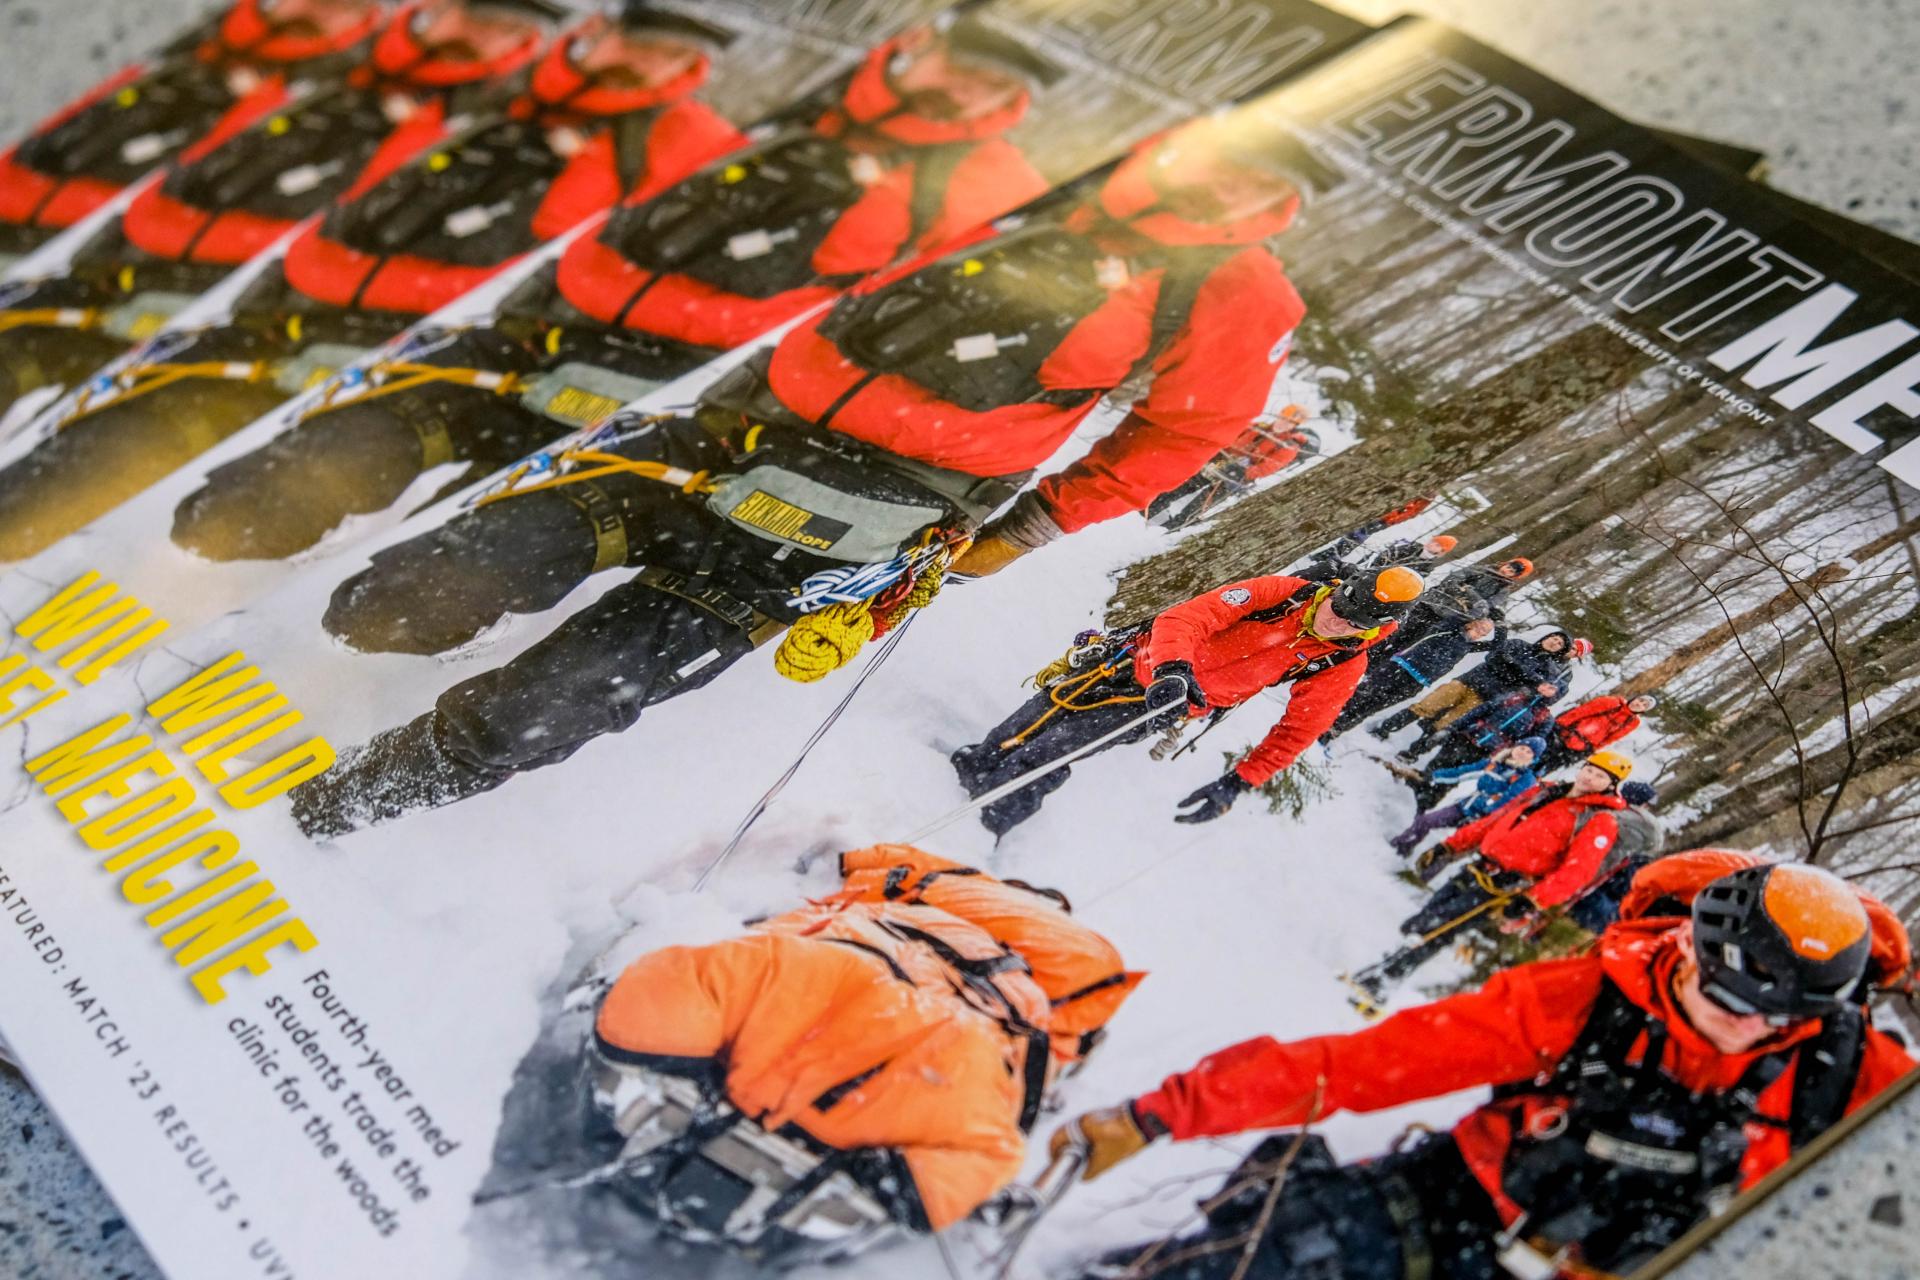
1612, 762
1787, 940
1519, 568
1398, 585
1294, 414
1445, 541
1368, 604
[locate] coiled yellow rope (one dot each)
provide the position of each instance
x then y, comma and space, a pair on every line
820, 643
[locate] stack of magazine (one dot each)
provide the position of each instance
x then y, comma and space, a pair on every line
708, 639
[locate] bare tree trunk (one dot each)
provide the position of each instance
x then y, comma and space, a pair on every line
1893, 739
1704, 646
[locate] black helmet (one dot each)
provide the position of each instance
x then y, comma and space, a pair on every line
1786, 940
1369, 599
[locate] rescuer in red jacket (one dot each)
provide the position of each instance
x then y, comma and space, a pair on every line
609, 100
898, 421
902, 158
1596, 723
905, 153
1635, 1089
1539, 850
1208, 655
213, 81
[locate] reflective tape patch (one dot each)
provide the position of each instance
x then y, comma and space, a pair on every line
578, 405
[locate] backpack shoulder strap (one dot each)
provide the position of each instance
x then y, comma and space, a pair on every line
1275, 612
1827, 1068
933, 170
631, 133
1613, 1024
1186, 273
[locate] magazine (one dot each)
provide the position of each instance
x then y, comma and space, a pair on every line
1318, 561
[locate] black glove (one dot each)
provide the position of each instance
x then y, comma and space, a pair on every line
1174, 683
1214, 799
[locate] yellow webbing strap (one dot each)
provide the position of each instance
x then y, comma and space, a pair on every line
140, 380
1501, 897
411, 375
601, 464
50, 317
1061, 696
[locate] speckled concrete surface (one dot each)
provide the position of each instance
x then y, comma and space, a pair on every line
1827, 89
1853, 1215
55, 1223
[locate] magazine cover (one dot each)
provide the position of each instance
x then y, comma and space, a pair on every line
1150, 708
914, 142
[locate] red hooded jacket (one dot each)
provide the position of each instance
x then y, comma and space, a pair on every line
1208, 383
1235, 655
1514, 1029
871, 234
1535, 834
683, 134
1594, 724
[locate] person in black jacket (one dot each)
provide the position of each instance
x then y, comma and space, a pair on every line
1408, 670
1512, 665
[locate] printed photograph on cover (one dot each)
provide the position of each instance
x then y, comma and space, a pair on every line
1345, 669
467, 134
958, 119
208, 80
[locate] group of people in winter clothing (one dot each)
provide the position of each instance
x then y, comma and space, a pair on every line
1522, 842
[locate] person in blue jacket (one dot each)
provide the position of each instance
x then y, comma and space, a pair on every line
1500, 777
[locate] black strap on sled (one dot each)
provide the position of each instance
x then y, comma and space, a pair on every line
978, 975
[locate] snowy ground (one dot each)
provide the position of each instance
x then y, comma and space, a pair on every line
1242, 923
